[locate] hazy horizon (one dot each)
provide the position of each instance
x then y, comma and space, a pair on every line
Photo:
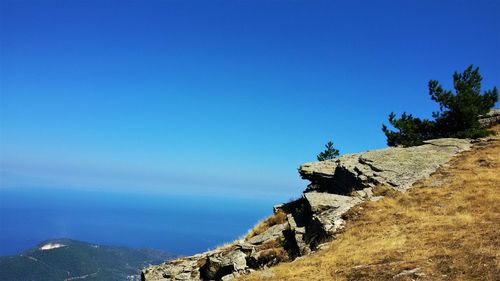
224, 97
170, 223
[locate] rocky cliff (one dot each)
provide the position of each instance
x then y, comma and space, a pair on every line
302, 226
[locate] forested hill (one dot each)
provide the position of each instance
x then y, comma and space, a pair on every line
65, 259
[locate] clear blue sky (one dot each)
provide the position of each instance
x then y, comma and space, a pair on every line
221, 98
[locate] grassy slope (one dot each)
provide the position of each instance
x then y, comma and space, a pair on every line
447, 226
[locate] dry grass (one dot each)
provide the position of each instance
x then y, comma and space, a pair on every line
273, 256
271, 252
448, 227
226, 246
277, 218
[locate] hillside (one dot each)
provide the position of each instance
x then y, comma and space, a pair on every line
65, 259
445, 228
372, 195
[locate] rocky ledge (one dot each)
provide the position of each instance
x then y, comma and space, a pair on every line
396, 167
302, 226
490, 119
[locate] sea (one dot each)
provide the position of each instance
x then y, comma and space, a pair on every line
182, 225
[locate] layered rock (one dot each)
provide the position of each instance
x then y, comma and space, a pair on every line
211, 265
336, 186
490, 119
395, 166
240, 257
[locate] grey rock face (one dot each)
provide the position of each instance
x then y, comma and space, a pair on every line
180, 269
220, 264
321, 201
296, 234
395, 166
325, 215
490, 119
272, 233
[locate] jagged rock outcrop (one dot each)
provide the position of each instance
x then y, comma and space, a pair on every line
327, 209
336, 186
210, 265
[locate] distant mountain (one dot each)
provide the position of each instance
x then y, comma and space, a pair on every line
65, 260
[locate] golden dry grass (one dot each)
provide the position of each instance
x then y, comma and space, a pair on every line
277, 218
272, 252
447, 226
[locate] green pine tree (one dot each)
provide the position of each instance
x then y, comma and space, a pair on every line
458, 114
329, 153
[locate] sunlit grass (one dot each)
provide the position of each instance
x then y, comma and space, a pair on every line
447, 226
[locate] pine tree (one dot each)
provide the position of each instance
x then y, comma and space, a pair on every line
458, 114
411, 130
329, 153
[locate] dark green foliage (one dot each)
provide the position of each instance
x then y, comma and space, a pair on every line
458, 114
96, 262
412, 130
329, 153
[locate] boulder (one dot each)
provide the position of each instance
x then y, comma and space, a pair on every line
219, 266
180, 269
326, 215
211, 265
319, 202
236, 259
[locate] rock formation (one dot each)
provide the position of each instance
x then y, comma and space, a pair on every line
396, 167
336, 186
490, 119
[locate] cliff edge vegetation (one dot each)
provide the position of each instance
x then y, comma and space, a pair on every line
444, 228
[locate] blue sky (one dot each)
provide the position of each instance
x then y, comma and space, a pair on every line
219, 98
